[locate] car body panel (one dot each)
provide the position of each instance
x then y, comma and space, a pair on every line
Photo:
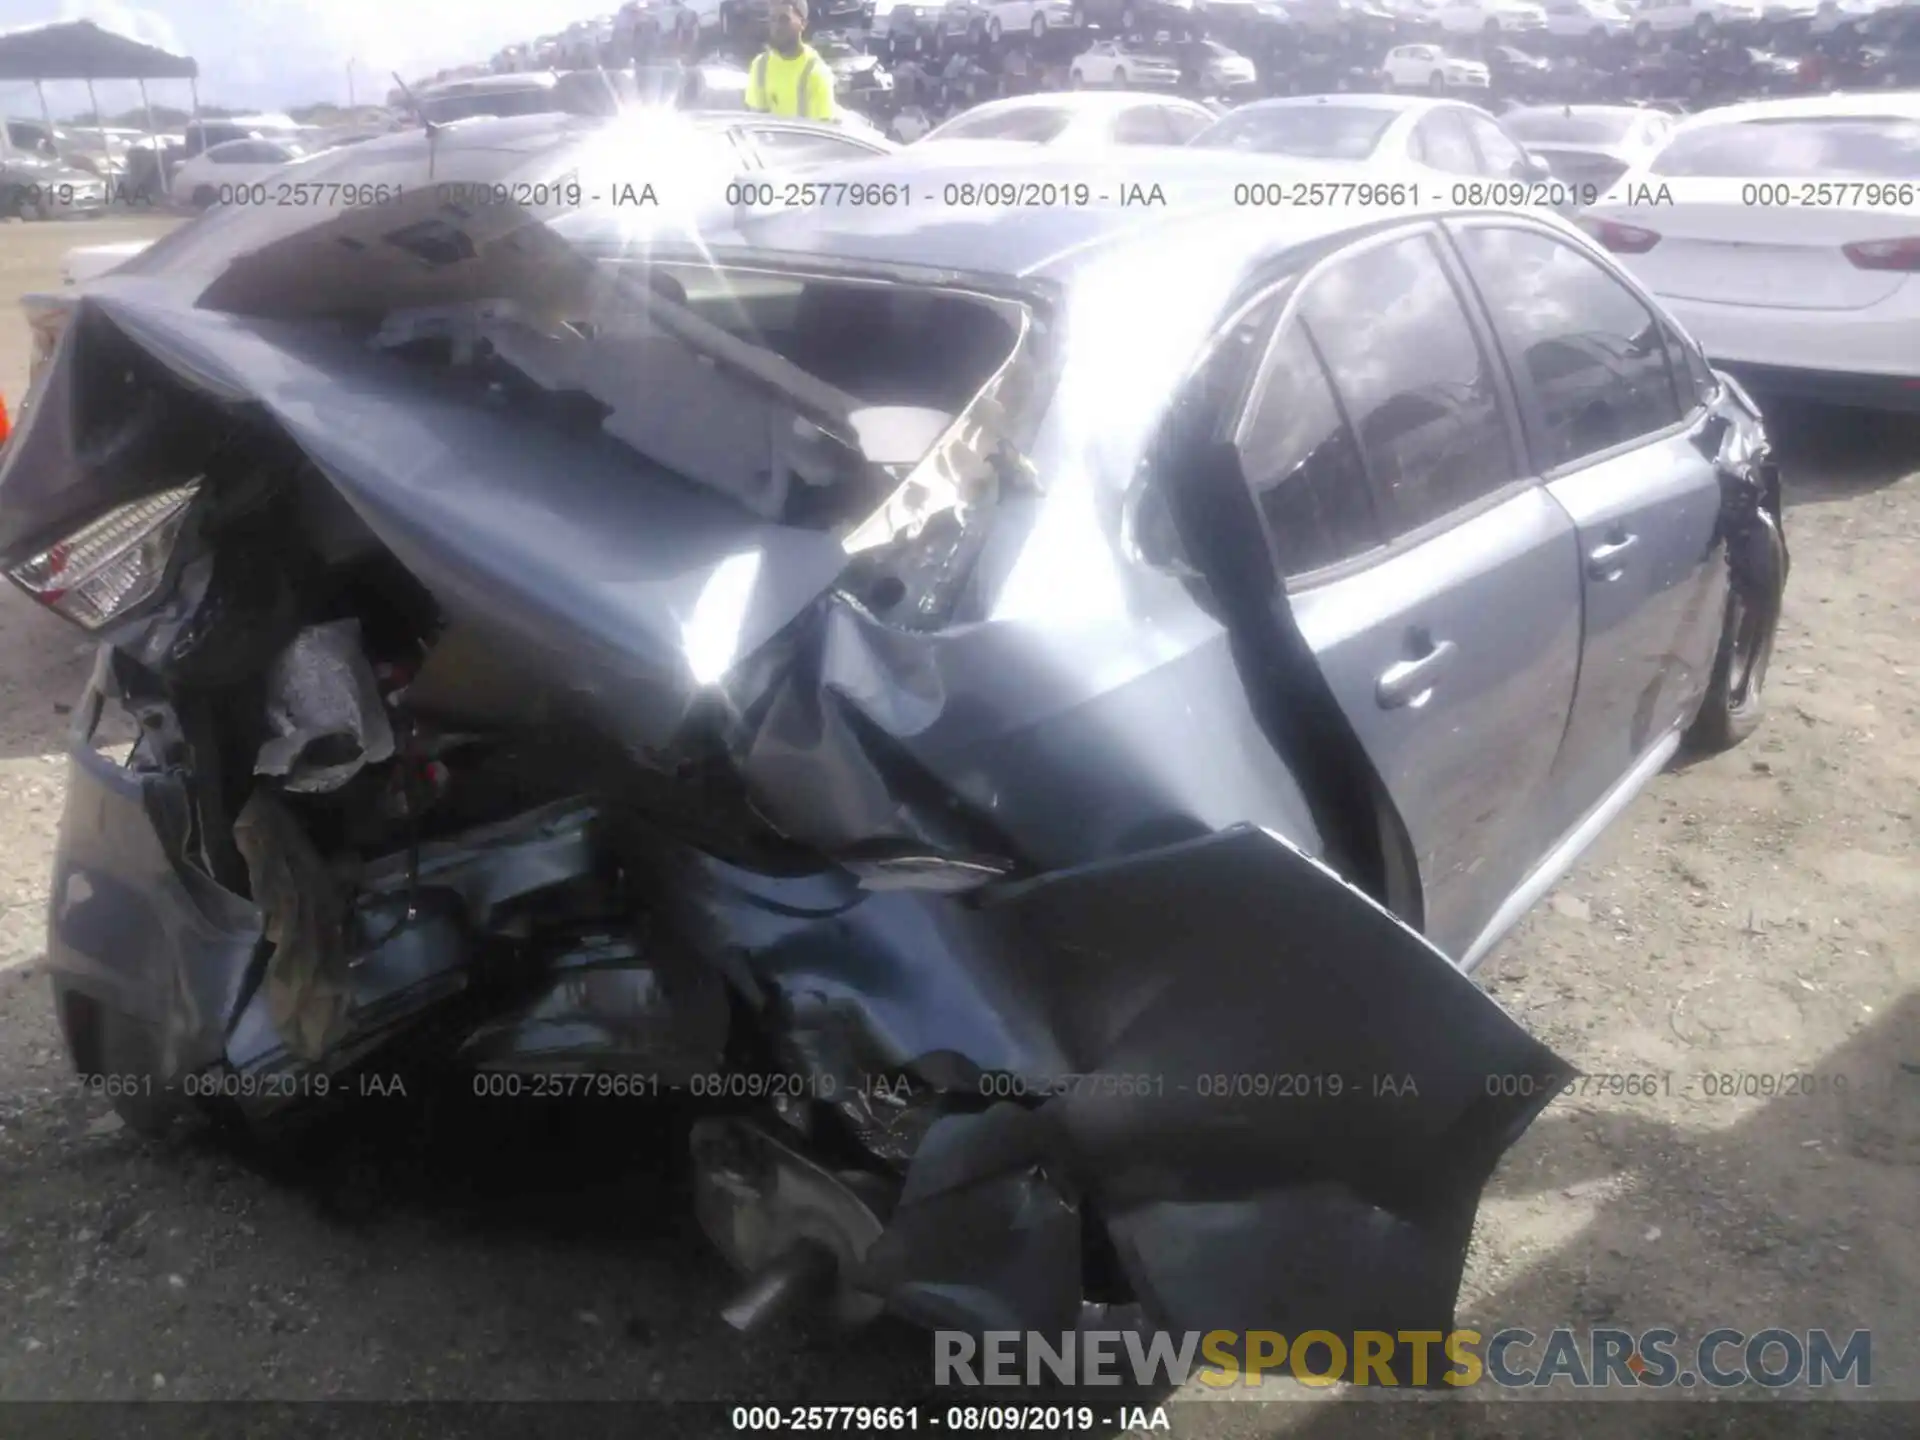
1038, 722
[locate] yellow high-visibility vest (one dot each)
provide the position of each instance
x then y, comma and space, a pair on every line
800, 86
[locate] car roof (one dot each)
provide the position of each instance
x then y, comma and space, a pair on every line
1890, 104
1348, 101
482, 84
1047, 241
1577, 111
1080, 102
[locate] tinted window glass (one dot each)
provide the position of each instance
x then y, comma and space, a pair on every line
1303, 464
1443, 143
1035, 124
1186, 124
1411, 374
1320, 132
797, 147
1142, 125
1875, 148
1502, 156
1596, 354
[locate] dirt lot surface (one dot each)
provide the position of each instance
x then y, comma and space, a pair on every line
1753, 916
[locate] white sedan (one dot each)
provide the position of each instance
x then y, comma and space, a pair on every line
1120, 63
1579, 19
228, 174
1392, 132
1429, 67
1026, 17
1094, 120
1475, 17
1819, 301
1674, 17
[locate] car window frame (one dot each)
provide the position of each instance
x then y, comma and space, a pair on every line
1473, 120
752, 130
1401, 541
1692, 405
1418, 141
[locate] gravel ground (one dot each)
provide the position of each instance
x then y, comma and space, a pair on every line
1752, 915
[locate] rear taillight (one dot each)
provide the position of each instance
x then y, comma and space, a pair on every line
47, 317
1901, 254
103, 570
1622, 239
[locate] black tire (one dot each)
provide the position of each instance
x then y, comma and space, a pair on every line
993, 30
1039, 27
1119, 81
1736, 698
1437, 83
203, 197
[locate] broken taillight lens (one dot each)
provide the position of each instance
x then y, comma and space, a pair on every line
1621, 239
1901, 254
105, 569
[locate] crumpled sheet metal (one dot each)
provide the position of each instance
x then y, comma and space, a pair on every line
1283, 1100
634, 589
309, 993
323, 699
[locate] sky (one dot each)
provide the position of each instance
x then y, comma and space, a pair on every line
273, 54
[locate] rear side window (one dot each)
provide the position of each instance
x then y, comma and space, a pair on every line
1838, 148
1412, 377
1312, 132
1142, 125
1595, 354
1497, 149
1304, 464
1036, 125
1443, 142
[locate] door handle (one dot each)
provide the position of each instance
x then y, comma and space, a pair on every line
1410, 683
1601, 559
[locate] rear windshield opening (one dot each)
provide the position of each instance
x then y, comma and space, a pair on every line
1864, 148
883, 344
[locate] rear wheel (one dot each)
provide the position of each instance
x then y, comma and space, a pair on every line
1735, 699
1119, 81
1437, 82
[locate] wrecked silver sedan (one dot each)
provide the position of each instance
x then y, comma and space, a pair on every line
1028, 718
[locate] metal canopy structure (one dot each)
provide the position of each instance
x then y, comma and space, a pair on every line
81, 50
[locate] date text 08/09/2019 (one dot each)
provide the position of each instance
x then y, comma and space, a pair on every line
957, 1419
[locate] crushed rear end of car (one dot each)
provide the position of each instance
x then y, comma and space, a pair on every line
542, 666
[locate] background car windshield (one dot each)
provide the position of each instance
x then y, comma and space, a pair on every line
1880, 147
1569, 129
1034, 125
1318, 132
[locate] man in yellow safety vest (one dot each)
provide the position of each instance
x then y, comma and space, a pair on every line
789, 77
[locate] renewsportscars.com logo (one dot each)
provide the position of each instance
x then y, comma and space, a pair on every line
1511, 1359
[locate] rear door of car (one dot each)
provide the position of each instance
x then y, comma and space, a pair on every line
1435, 581
1613, 407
